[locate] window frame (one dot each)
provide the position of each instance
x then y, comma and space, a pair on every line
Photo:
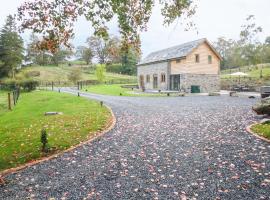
197, 58
163, 78
210, 59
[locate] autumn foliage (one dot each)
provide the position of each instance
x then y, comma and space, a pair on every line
55, 19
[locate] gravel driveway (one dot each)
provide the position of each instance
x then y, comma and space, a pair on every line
161, 148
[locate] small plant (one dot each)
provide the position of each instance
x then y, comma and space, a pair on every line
44, 140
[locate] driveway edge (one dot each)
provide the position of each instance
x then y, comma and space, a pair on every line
109, 126
248, 129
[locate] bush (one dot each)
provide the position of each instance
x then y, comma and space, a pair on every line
263, 107
12, 84
28, 85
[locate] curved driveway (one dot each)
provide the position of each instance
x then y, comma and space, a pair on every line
161, 148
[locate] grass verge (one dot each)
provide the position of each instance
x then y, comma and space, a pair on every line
262, 129
116, 90
20, 129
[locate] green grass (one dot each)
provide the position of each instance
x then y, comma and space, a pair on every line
262, 129
20, 129
113, 90
116, 89
60, 73
3, 102
252, 71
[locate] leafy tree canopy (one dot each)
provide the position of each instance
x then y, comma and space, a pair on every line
11, 48
55, 19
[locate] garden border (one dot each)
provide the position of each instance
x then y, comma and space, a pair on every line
248, 129
109, 126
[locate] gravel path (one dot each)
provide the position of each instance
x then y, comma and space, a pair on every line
161, 148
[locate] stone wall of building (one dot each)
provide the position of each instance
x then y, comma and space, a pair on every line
207, 82
154, 69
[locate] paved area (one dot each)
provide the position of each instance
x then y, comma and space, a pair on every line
161, 148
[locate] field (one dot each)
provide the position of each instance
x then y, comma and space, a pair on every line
61, 72
20, 128
252, 80
252, 71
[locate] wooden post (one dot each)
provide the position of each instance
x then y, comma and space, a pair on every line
52, 86
78, 83
14, 98
9, 101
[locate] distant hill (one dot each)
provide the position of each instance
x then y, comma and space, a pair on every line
60, 73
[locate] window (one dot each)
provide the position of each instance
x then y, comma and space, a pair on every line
197, 58
163, 78
178, 60
209, 59
148, 78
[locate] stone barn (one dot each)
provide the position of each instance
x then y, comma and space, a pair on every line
190, 67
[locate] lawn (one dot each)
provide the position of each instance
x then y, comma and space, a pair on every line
117, 90
3, 102
114, 90
262, 129
20, 128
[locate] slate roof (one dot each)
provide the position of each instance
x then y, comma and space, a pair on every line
178, 51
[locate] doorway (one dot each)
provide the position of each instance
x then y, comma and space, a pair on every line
175, 82
155, 81
142, 82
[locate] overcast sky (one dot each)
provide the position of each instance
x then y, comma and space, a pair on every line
214, 18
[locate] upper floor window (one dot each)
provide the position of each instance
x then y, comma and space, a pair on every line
148, 78
163, 78
197, 58
209, 59
178, 60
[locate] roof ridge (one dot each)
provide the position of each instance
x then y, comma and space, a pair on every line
173, 47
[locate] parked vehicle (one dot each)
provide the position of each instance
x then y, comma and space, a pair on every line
265, 91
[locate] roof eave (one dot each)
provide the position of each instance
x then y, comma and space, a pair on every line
159, 61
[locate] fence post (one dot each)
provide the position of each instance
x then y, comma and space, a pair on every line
9, 101
78, 84
14, 98
52, 85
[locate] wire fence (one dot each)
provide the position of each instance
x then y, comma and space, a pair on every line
9, 99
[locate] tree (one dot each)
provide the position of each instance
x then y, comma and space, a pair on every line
55, 19
11, 48
129, 60
85, 54
75, 75
61, 55
100, 72
36, 55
